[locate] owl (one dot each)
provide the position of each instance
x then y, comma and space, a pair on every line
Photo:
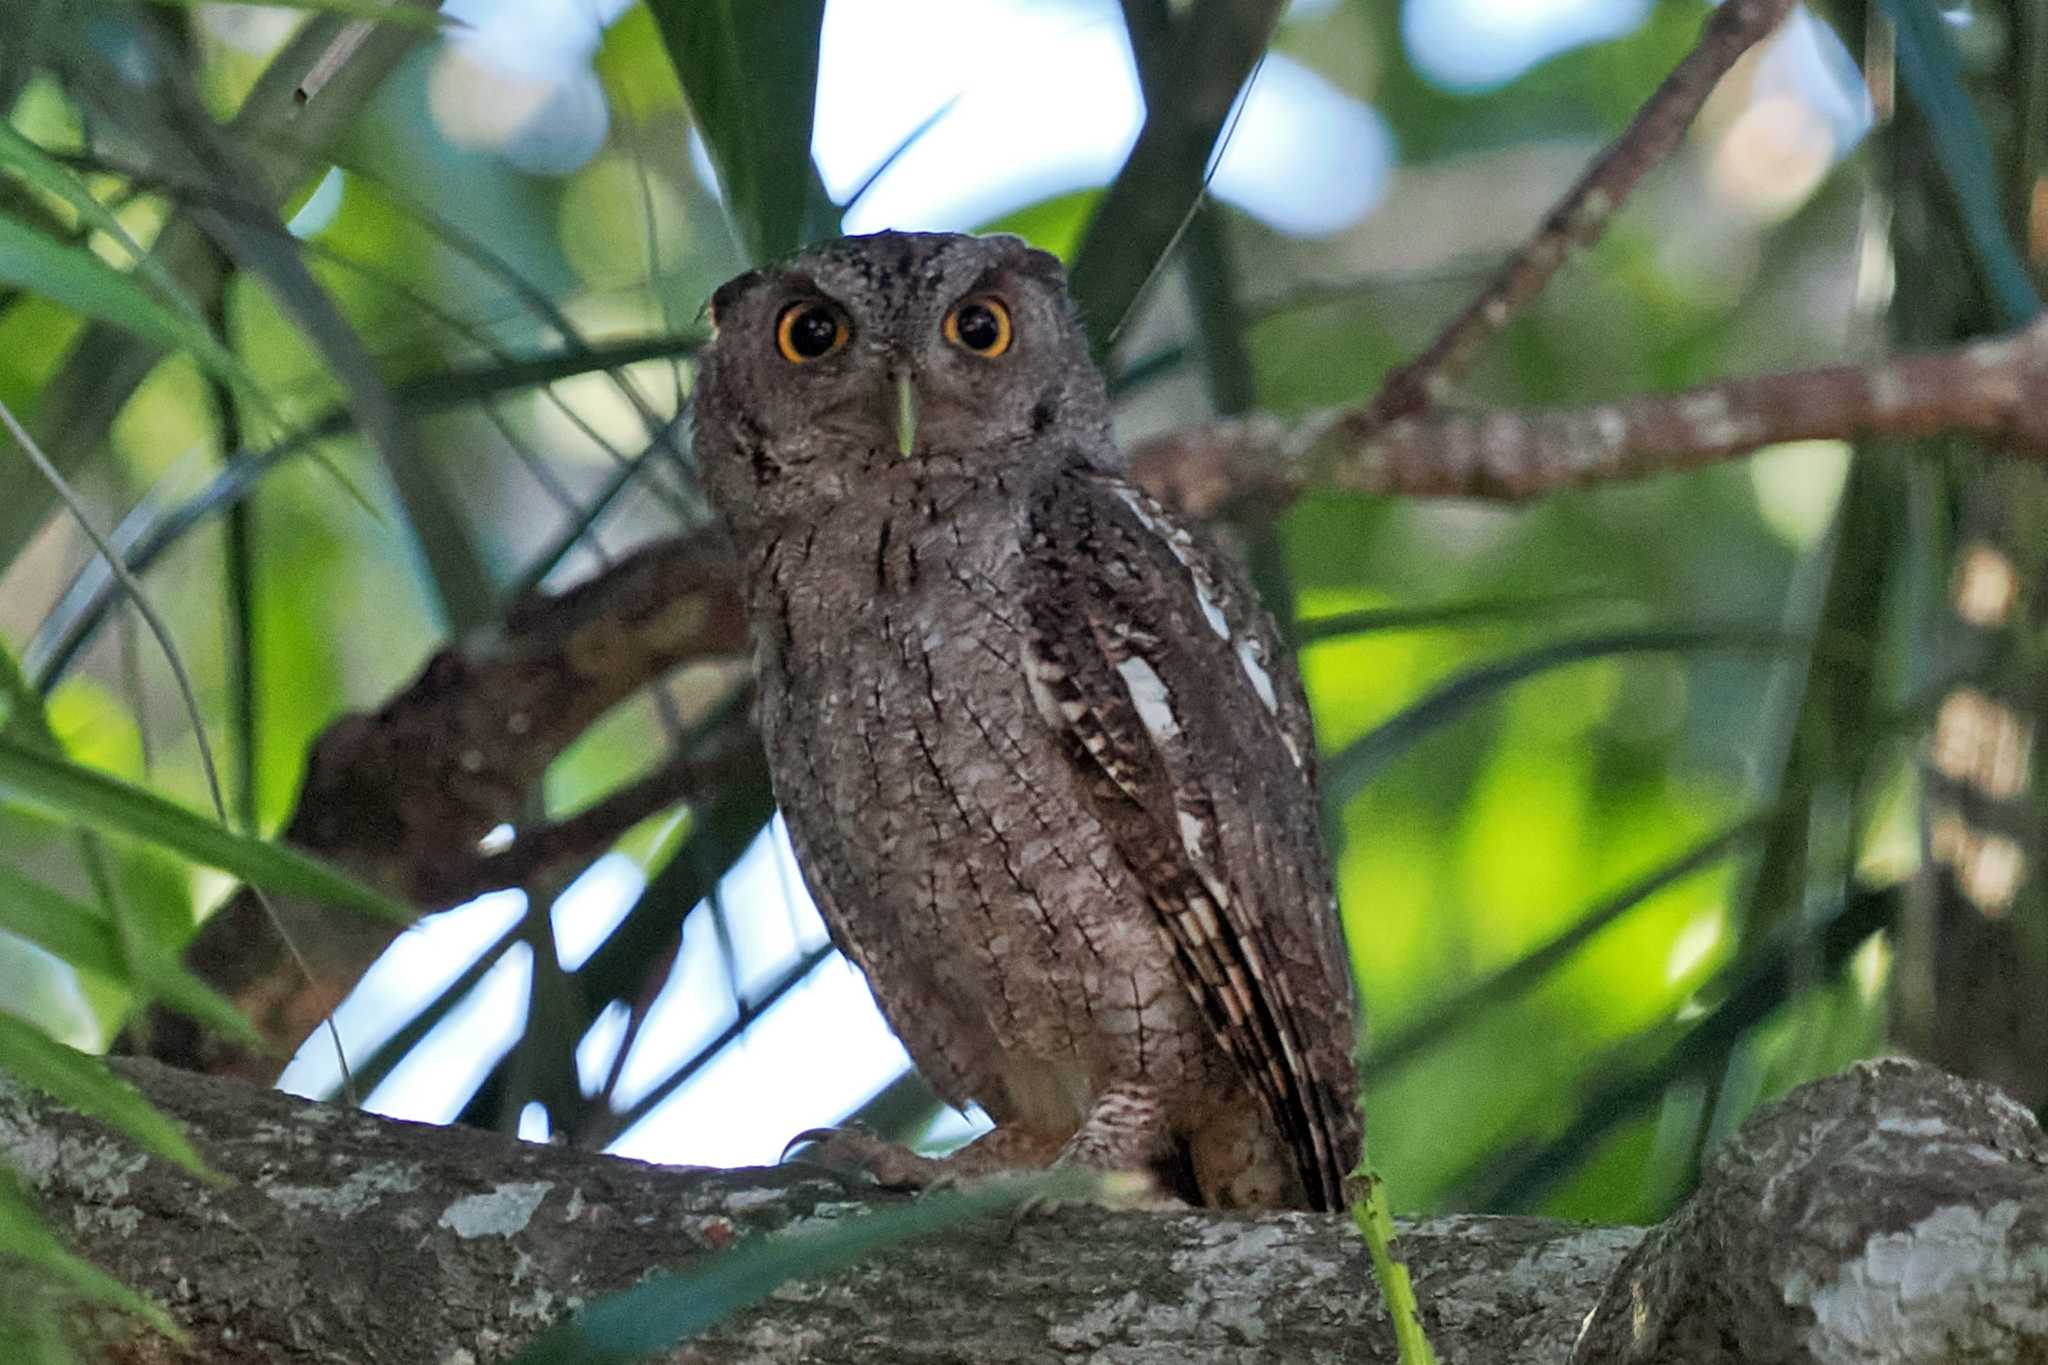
1045, 766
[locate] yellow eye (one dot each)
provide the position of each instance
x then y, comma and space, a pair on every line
980, 324
809, 331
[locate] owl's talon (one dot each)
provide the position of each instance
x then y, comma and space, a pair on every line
817, 1137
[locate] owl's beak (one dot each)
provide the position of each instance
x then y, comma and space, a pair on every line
905, 416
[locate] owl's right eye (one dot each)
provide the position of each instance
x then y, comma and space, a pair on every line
809, 331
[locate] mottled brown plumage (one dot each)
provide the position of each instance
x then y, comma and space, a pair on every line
1046, 767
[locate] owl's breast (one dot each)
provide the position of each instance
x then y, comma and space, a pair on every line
943, 830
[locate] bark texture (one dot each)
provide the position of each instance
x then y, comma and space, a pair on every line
1890, 1214
1853, 1205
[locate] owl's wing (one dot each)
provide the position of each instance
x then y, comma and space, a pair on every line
1171, 692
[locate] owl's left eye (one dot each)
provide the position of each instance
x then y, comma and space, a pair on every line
809, 331
980, 324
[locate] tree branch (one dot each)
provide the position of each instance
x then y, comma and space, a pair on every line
1996, 390
1892, 1196
1891, 1214
402, 796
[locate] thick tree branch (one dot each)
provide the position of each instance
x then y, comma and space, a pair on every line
402, 796
1893, 1197
1893, 1213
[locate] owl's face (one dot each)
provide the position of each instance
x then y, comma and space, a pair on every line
898, 355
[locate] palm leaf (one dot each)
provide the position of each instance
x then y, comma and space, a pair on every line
74, 792
750, 72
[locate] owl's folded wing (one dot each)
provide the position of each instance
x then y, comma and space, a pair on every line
1171, 694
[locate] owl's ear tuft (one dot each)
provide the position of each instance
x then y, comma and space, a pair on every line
728, 293
1043, 265
1040, 265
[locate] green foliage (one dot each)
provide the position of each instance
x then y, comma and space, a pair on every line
73, 792
77, 279
37, 1328
1933, 76
81, 1082
751, 74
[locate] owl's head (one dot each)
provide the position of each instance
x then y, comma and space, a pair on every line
921, 355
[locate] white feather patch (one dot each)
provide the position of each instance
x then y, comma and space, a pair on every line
1177, 541
1149, 695
1039, 674
1255, 669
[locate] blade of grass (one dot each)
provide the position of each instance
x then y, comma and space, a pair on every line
85, 604
1934, 77
238, 644
375, 11
750, 1012
74, 277
23, 1234
78, 793
895, 154
1755, 985
82, 1082
21, 706
1212, 50
718, 837
569, 537
1436, 616
86, 938
38, 168
1374, 1218
371, 1070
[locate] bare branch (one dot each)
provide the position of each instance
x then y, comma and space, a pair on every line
1996, 390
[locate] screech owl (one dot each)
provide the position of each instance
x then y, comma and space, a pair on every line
1046, 767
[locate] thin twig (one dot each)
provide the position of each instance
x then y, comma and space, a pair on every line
1581, 217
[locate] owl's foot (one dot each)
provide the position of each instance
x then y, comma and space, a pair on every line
1120, 1144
